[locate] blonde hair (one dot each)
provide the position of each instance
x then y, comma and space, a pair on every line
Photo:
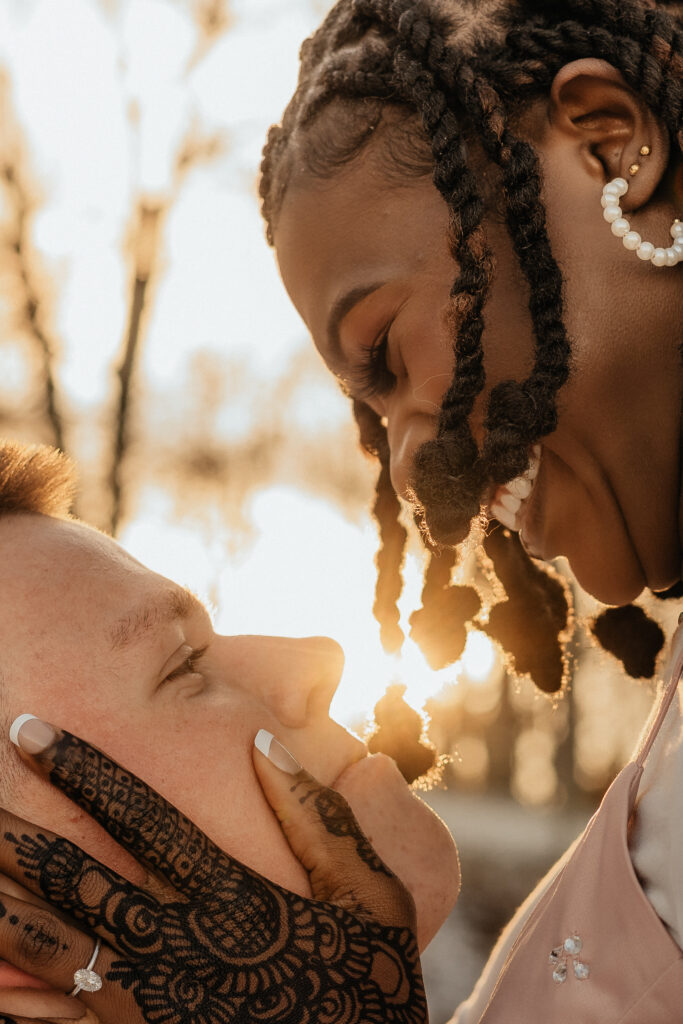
35, 478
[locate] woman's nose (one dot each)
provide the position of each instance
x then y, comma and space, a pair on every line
295, 677
405, 435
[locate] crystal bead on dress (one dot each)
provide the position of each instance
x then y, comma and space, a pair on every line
561, 956
560, 973
581, 970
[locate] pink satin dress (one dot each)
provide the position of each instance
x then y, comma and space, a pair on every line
593, 950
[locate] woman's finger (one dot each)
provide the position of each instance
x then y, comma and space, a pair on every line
22, 1020
325, 836
87, 1017
39, 1005
34, 940
73, 883
133, 813
9, 887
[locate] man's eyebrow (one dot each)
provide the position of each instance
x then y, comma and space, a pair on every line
343, 305
164, 608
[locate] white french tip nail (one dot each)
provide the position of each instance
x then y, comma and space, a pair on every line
278, 755
262, 741
16, 726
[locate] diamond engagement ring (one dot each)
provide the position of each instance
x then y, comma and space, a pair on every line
85, 979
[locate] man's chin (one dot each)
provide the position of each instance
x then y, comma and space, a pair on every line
409, 837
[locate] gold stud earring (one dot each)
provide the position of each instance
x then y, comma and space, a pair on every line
634, 168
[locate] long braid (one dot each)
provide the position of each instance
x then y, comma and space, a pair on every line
454, 455
439, 626
392, 534
518, 415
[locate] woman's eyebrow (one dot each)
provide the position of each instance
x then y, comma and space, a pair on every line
341, 307
165, 607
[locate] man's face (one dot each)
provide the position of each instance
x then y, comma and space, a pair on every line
96, 643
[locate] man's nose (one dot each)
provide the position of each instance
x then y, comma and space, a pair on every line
295, 677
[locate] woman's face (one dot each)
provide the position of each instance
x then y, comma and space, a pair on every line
368, 268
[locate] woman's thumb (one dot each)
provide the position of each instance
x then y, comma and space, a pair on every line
325, 836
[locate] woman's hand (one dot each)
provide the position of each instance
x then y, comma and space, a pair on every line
206, 940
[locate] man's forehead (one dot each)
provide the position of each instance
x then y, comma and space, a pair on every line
66, 571
27, 539
64, 584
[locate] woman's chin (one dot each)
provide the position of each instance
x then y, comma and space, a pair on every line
409, 837
606, 567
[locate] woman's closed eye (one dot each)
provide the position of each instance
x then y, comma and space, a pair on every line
371, 376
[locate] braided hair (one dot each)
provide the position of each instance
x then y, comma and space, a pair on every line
467, 68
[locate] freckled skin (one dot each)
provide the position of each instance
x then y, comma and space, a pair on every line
608, 495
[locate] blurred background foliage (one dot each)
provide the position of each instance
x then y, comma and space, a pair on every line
143, 329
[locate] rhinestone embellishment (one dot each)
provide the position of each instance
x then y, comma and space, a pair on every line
89, 981
562, 956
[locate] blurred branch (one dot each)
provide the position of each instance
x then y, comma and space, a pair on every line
147, 230
213, 19
194, 150
215, 445
27, 299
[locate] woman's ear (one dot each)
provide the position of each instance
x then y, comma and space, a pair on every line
615, 133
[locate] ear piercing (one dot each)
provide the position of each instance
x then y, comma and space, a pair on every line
634, 168
646, 251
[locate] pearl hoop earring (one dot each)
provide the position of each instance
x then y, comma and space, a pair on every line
646, 251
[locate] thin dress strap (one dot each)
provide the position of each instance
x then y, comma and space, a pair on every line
673, 672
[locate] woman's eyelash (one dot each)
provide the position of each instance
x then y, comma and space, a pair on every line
190, 663
371, 377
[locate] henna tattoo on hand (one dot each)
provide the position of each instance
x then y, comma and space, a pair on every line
39, 937
217, 944
339, 820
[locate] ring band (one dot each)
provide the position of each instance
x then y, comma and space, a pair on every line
85, 979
